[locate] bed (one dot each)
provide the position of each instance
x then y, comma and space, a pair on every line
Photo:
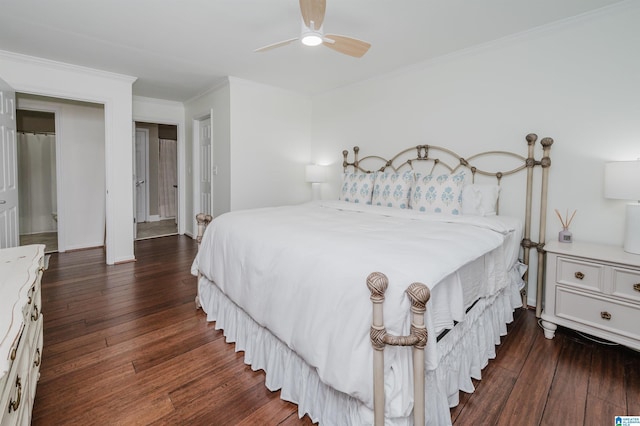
293, 286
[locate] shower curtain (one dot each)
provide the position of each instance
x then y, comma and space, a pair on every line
37, 183
167, 178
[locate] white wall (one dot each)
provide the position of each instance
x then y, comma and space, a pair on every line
81, 183
261, 143
161, 111
577, 81
42, 77
270, 145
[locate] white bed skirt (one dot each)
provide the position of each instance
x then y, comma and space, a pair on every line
465, 351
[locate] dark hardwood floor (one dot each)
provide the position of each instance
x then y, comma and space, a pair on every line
124, 344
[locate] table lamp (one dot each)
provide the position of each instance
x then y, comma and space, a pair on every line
316, 175
622, 181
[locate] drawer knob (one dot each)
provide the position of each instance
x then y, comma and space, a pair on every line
636, 287
579, 275
13, 405
605, 315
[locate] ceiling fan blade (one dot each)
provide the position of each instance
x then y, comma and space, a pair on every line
313, 11
274, 45
347, 45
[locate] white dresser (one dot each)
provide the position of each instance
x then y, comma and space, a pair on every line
21, 270
595, 289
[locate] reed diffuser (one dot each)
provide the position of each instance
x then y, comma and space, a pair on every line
565, 235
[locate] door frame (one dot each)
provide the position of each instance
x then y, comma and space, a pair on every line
32, 105
195, 136
182, 169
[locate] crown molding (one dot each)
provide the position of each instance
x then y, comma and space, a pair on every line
63, 66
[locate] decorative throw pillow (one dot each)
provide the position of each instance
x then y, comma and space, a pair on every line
357, 187
438, 193
480, 199
392, 189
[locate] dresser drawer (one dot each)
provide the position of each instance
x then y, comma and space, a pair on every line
14, 395
617, 317
626, 283
580, 274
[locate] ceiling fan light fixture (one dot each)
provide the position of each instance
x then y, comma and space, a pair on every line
311, 39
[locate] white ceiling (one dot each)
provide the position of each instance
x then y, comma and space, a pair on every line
179, 48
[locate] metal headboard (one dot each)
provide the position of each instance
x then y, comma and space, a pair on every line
450, 160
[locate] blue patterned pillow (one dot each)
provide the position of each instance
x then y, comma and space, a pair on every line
357, 187
392, 189
438, 193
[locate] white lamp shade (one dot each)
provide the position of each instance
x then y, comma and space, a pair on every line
622, 180
314, 173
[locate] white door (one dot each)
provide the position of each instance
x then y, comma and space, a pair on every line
205, 166
142, 141
9, 234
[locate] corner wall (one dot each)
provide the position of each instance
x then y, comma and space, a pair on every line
270, 145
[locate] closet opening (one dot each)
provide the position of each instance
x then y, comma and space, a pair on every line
156, 180
37, 178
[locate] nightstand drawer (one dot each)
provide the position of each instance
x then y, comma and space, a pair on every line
580, 274
620, 318
626, 283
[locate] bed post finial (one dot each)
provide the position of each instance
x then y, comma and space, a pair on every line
419, 295
531, 138
203, 220
377, 282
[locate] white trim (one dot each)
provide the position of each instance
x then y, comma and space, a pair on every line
31, 60
218, 84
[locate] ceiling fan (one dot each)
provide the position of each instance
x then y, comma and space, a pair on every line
312, 34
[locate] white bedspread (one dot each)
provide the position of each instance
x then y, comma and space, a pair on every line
300, 271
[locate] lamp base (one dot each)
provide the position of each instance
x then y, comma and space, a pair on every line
315, 191
632, 235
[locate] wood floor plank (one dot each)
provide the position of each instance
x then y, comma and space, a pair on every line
517, 343
568, 394
60, 397
527, 401
607, 372
632, 377
484, 406
272, 413
601, 412
133, 349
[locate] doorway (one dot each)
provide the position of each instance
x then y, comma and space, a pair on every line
156, 180
37, 178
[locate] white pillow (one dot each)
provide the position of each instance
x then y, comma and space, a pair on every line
392, 189
438, 193
357, 187
480, 199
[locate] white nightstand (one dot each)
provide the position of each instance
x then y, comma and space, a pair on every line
593, 288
